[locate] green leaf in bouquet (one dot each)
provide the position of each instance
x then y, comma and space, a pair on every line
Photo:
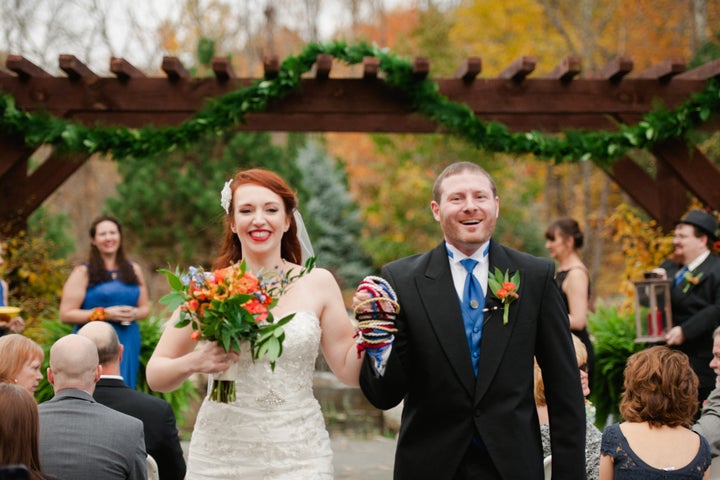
173, 300
183, 322
173, 279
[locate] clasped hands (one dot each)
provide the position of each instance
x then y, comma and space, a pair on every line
15, 324
124, 314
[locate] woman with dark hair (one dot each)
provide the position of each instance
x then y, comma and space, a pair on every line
109, 287
20, 361
563, 240
275, 427
658, 406
19, 430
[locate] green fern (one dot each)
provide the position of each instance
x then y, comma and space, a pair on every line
614, 342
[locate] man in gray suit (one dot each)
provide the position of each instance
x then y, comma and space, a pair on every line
708, 425
161, 435
81, 439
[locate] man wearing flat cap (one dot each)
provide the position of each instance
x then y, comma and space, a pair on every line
695, 293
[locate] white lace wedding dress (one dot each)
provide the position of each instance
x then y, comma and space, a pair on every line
275, 428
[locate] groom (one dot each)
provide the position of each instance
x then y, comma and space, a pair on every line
466, 376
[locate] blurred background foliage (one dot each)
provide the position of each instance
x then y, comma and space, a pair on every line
365, 197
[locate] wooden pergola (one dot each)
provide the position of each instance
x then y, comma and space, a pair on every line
563, 99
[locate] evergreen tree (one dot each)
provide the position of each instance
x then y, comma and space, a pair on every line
332, 217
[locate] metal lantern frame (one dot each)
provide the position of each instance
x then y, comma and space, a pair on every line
653, 312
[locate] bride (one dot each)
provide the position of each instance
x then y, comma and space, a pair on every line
275, 428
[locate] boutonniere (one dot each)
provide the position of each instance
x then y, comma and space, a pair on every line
505, 289
691, 280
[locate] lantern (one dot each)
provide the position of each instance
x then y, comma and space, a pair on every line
653, 314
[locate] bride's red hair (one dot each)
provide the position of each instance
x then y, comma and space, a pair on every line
231, 250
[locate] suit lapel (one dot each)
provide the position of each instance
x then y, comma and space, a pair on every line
679, 293
495, 335
443, 309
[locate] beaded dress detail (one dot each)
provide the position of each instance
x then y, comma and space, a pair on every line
275, 428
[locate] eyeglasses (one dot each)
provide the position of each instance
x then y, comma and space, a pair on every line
584, 367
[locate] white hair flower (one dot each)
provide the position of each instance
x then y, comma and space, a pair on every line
226, 196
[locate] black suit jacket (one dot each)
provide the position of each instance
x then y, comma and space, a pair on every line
429, 368
161, 435
697, 311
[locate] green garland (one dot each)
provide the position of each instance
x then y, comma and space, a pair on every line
230, 110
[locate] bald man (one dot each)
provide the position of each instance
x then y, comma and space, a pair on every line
81, 439
161, 435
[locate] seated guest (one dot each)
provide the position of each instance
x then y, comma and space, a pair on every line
592, 434
19, 430
81, 439
161, 435
708, 425
20, 361
659, 404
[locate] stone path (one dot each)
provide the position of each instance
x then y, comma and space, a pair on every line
359, 458
362, 459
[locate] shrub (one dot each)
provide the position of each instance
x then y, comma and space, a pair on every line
614, 342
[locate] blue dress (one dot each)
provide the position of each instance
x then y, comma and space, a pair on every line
628, 466
109, 294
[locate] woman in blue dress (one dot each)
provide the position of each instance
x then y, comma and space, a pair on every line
110, 288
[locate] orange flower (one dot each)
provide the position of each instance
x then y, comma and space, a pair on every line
195, 335
504, 287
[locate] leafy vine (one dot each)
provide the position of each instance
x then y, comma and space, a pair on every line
231, 109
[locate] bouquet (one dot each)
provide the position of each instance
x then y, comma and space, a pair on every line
231, 306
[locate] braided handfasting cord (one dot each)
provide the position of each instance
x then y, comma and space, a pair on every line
376, 317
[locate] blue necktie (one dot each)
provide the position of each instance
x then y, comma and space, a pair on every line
473, 302
680, 275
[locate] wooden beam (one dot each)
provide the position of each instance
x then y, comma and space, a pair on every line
568, 69
13, 190
672, 195
174, 69
519, 69
615, 70
48, 177
470, 68
223, 69
703, 72
271, 66
637, 184
696, 171
323, 65
24, 68
75, 69
371, 67
583, 103
664, 70
421, 67
124, 70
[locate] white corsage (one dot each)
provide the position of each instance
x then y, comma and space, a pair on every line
226, 196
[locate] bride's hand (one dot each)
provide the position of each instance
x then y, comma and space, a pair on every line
212, 358
358, 298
